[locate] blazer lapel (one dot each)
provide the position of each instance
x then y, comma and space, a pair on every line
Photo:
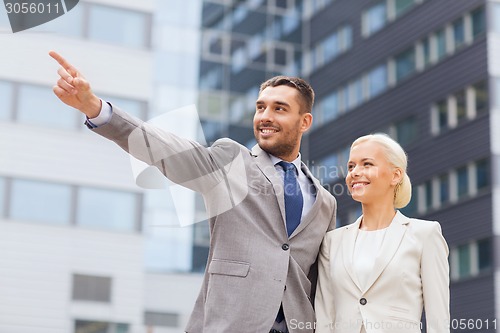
309, 217
390, 244
348, 242
267, 167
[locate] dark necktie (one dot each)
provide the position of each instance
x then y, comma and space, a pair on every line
293, 197
293, 206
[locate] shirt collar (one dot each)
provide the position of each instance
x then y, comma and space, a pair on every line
297, 162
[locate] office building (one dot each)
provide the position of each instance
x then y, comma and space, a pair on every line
424, 71
82, 246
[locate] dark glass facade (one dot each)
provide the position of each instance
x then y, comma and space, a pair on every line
417, 70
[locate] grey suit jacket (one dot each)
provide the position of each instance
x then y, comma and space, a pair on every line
410, 271
253, 266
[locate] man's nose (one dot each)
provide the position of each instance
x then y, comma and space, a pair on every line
266, 115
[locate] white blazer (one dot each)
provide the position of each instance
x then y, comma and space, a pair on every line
411, 270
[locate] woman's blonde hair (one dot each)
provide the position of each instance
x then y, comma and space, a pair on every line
397, 157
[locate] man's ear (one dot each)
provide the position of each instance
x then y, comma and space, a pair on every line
307, 120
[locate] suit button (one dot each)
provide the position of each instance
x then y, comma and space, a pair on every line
285, 247
363, 301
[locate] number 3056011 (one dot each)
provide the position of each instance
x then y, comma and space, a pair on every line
473, 324
31, 8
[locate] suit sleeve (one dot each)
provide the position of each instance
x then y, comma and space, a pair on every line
323, 301
436, 281
183, 161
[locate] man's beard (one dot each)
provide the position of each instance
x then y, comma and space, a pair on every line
279, 149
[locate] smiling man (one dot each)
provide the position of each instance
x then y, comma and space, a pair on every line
263, 249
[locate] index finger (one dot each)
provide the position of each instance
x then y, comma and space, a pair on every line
63, 62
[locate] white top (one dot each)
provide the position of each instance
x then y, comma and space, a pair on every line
366, 249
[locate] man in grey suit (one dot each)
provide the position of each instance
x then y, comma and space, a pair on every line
264, 244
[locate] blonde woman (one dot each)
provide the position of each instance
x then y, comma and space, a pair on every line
379, 273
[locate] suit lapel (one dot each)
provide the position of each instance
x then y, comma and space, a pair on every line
348, 242
264, 163
309, 217
390, 244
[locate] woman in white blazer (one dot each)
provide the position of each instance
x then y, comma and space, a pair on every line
379, 273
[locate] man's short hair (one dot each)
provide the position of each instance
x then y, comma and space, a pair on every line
304, 88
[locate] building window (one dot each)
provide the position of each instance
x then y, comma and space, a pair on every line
426, 51
440, 44
2, 197
6, 96
471, 259
331, 47
291, 20
107, 209
455, 184
330, 107
462, 182
346, 38
429, 195
327, 170
70, 24
497, 92
442, 111
405, 64
480, 97
314, 6
48, 203
458, 33
406, 131
496, 17
4, 19
279, 55
239, 60
444, 188
411, 208
344, 98
436, 46
377, 80
215, 44
478, 22
464, 262
91, 288
482, 174
119, 26
88, 326
461, 106
374, 19
161, 319
380, 14
355, 93
401, 6
38, 106
485, 258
